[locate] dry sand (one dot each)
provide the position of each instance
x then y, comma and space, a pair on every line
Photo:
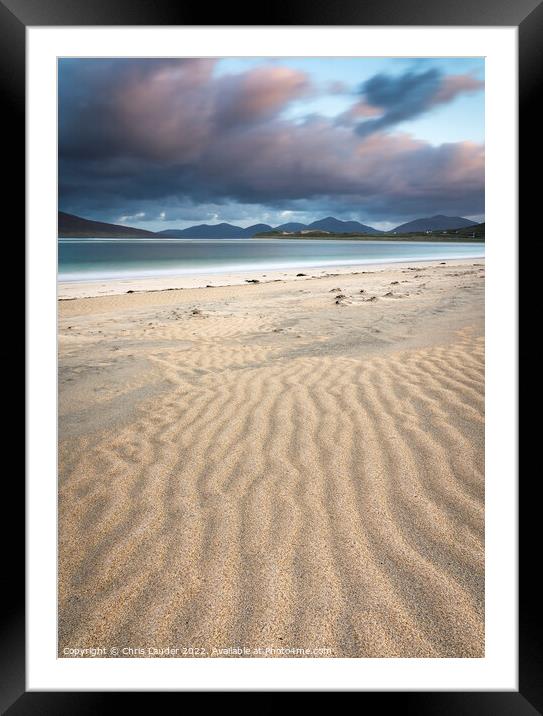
270, 466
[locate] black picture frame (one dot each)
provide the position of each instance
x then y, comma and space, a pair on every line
15, 17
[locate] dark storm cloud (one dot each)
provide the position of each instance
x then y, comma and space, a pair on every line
138, 135
404, 97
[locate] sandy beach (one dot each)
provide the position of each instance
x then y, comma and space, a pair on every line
294, 465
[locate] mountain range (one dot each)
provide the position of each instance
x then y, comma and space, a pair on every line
229, 231
71, 226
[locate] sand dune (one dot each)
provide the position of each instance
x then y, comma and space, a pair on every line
258, 466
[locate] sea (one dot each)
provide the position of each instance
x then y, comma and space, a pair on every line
103, 259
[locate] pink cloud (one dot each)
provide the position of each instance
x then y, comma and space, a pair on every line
259, 93
453, 85
359, 110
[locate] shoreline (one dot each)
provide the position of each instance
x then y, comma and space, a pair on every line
70, 290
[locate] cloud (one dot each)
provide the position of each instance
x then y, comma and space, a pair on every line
152, 136
258, 94
357, 112
162, 108
403, 97
453, 85
132, 217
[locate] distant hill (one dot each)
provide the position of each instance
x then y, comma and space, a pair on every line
203, 231
475, 231
170, 234
74, 227
255, 229
291, 226
435, 223
214, 231
335, 226
229, 231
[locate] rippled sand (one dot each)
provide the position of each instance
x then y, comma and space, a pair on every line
261, 466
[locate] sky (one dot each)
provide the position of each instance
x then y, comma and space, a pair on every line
167, 143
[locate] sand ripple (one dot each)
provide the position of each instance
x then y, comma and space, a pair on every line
286, 501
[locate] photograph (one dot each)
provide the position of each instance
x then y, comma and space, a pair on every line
271, 357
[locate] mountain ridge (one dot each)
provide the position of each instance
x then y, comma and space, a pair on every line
212, 231
435, 223
72, 226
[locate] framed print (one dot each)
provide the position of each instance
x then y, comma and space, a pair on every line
272, 425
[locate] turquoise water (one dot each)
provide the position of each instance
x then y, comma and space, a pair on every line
102, 259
